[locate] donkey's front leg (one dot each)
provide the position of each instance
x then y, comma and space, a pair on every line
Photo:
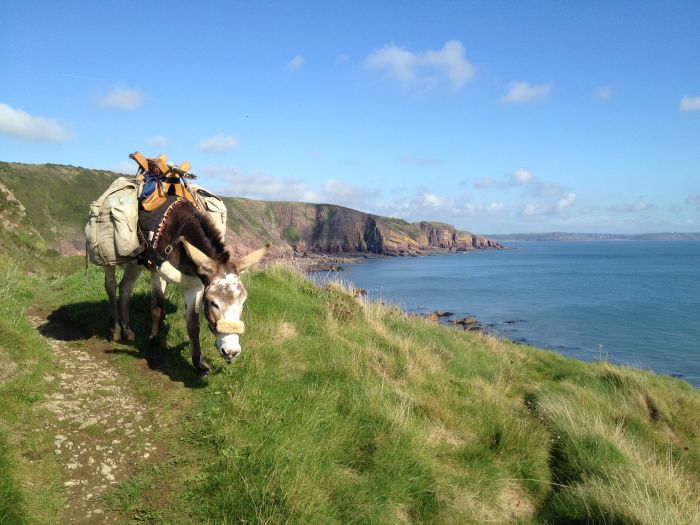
111, 288
157, 315
193, 300
126, 287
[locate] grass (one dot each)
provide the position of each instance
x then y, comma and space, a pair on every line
343, 411
29, 473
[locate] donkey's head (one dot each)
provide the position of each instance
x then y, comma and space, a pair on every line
224, 295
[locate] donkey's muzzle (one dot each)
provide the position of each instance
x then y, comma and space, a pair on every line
230, 327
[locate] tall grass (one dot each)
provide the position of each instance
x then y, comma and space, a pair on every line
25, 455
342, 410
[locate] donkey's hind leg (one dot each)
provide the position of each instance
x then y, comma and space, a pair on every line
158, 285
111, 288
126, 288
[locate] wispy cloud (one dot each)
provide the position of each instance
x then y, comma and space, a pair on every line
231, 181
522, 178
295, 64
127, 167
346, 194
123, 98
604, 93
690, 103
523, 92
631, 207
20, 124
418, 161
486, 182
425, 69
694, 200
219, 143
532, 209
342, 58
157, 141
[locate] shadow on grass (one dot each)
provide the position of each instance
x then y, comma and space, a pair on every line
84, 320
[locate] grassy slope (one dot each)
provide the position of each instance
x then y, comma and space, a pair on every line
57, 199
344, 412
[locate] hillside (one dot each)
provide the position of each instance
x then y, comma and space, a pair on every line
56, 199
338, 411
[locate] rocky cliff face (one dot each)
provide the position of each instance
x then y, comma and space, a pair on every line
57, 199
333, 229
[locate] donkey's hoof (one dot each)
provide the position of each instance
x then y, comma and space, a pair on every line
202, 369
128, 335
115, 334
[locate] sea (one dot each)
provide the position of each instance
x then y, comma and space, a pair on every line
631, 302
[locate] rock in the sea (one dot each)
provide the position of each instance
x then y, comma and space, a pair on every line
467, 323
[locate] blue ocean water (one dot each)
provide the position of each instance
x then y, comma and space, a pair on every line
640, 300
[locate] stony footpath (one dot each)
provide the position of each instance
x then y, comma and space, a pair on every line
102, 432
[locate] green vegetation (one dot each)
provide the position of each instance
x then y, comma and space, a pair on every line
344, 411
341, 411
25, 454
291, 234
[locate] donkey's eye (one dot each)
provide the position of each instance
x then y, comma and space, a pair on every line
213, 305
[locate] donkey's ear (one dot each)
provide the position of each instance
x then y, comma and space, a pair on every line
241, 265
206, 267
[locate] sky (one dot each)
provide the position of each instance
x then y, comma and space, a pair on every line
497, 117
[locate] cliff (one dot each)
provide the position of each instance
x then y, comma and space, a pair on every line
57, 198
327, 228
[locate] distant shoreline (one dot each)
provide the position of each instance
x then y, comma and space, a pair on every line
589, 237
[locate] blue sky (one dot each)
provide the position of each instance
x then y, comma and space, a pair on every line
494, 116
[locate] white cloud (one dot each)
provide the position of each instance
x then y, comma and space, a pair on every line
523, 92
604, 93
486, 182
418, 161
425, 69
694, 200
433, 200
566, 201
521, 177
20, 124
690, 103
128, 167
229, 181
157, 141
219, 143
546, 188
295, 64
121, 97
533, 209
631, 207
339, 192
343, 58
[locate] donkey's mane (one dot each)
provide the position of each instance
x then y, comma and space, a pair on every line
203, 233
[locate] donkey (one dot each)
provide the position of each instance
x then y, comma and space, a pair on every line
192, 255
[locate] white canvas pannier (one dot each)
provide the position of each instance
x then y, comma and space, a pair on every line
211, 205
111, 231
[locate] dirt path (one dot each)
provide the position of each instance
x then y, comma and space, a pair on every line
102, 431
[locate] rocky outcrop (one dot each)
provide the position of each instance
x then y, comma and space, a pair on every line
325, 228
